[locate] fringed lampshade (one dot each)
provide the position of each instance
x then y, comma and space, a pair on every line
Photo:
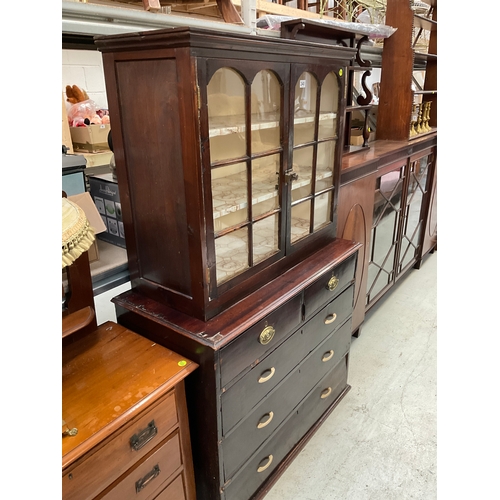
77, 235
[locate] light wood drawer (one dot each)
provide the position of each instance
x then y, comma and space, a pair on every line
329, 285
265, 460
174, 491
144, 481
260, 339
98, 470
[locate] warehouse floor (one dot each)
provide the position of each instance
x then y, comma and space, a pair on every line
380, 442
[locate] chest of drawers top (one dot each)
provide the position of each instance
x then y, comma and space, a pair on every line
308, 279
110, 377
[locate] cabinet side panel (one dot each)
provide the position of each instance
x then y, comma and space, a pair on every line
153, 157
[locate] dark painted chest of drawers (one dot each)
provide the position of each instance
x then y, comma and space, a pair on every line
271, 368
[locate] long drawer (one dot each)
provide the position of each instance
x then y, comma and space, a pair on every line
151, 475
260, 339
240, 398
329, 285
100, 469
267, 416
174, 491
265, 460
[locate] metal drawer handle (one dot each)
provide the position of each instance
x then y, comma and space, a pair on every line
137, 441
262, 468
330, 318
332, 283
262, 423
142, 483
266, 335
326, 392
327, 356
266, 375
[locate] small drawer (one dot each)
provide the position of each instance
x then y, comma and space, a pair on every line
126, 447
260, 339
329, 285
145, 480
265, 460
174, 491
266, 417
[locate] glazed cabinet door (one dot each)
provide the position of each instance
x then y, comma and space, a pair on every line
312, 175
412, 226
387, 208
243, 144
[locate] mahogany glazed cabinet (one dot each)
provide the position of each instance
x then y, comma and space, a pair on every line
228, 151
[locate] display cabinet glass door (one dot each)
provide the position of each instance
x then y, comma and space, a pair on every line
413, 222
385, 229
246, 155
315, 136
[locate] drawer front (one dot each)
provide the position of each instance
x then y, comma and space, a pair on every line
149, 477
329, 285
127, 447
260, 339
274, 409
260, 466
241, 397
174, 491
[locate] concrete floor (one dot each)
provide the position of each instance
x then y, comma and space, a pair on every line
380, 442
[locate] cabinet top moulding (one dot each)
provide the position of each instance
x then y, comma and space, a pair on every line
206, 42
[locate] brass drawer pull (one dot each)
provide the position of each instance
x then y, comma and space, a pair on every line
142, 483
330, 318
328, 356
262, 468
262, 423
266, 335
142, 438
326, 392
266, 375
332, 283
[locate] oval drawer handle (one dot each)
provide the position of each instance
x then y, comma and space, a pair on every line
142, 438
330, 318
266, 335
326, 392
266, 375
262, 468
332, 283
328, 356
261, 423
142, 483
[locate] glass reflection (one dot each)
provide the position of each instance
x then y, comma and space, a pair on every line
306, 91
322, 210
302, 166
325, 165
265, 238
231, 254
301, 221
327, 126
264, 184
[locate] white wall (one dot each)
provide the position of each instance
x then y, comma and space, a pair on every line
84, 69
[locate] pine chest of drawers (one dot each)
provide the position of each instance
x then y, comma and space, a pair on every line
271, 368
125, 425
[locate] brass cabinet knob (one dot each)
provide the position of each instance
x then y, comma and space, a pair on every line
266, 375
327, 356
264, 464
332, 283
326, 392
330, 318
265, 420
266, 335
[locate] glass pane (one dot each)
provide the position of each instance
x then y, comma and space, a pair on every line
265, 238
229, 195
328, 107
322, 210
306, 90
325, 164
302, 166
301, 220
265, 184
265, 118
231, 255
226, 115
